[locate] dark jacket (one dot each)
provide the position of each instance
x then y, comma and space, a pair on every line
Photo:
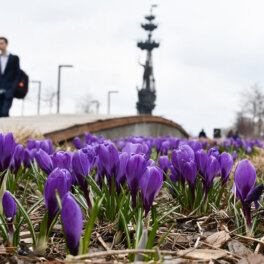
10, 78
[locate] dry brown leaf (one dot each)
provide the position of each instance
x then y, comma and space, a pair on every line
218, 239
202, 254
253, 259
236, 247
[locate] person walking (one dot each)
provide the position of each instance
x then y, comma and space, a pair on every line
9, 77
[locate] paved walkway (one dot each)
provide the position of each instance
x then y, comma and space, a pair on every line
49, 123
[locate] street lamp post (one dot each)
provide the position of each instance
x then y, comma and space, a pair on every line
108, 105
97, 105
39, 95
59, 80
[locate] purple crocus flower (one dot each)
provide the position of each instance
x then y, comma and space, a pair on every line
135, 169
212, 169
62, 160
244, 181
47, 146
164, 163
7, 148
81, 167
9, 206
179, 157
190, 174
195, 144
108, 157
44, 161
226, 164
10, 210
18, 157
72, 220
234, 155
150, 184
120, 175
59, 179
201, 160
77, 143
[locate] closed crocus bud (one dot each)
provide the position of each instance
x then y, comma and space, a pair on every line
244, 181
44, 161
212, 169
164, 163
132, 148
226, 164
62, 160
234, 156
47, 146
214, 152
108, 157
90, 153
9, 206
59, 179
77, 143
18, 157
7, 148
195, 144
81, 167
190, 174
150, 184
120, 175
201, 160
72, 220
135, 169
179, 157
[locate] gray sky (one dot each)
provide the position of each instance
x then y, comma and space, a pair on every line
210, 52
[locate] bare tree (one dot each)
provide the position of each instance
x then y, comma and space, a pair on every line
250, 118
49, 97
84, 104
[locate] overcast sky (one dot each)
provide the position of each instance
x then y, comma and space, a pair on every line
210, 52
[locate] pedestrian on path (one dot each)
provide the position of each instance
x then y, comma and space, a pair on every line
9, 77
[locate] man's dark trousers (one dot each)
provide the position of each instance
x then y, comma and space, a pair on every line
9, 79
5, 105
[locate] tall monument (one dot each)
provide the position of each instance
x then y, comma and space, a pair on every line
147, 94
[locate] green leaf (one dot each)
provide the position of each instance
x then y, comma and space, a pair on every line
3, 228
28, 221
90, 224
152, 235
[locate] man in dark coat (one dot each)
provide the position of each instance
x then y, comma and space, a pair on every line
9, 77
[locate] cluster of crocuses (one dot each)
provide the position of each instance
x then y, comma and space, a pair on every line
189, 160
126, 162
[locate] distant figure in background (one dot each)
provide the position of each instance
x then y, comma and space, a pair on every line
9, 77
202, 134
230, 134
236, 135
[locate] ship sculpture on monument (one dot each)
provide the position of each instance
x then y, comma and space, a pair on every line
147, 94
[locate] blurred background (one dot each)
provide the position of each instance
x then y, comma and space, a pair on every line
210, 56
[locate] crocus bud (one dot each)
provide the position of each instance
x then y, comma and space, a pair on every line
7, 148
18, 157
135, 168
201, 158
59, 179
77, 143
212, 169
62, 160
47, 146
226, 164
10, 210
234, 155
44, 161
108, 157
164, 163
72, 219
120, 175
150, 184
190, 174
81, 167
9, 206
